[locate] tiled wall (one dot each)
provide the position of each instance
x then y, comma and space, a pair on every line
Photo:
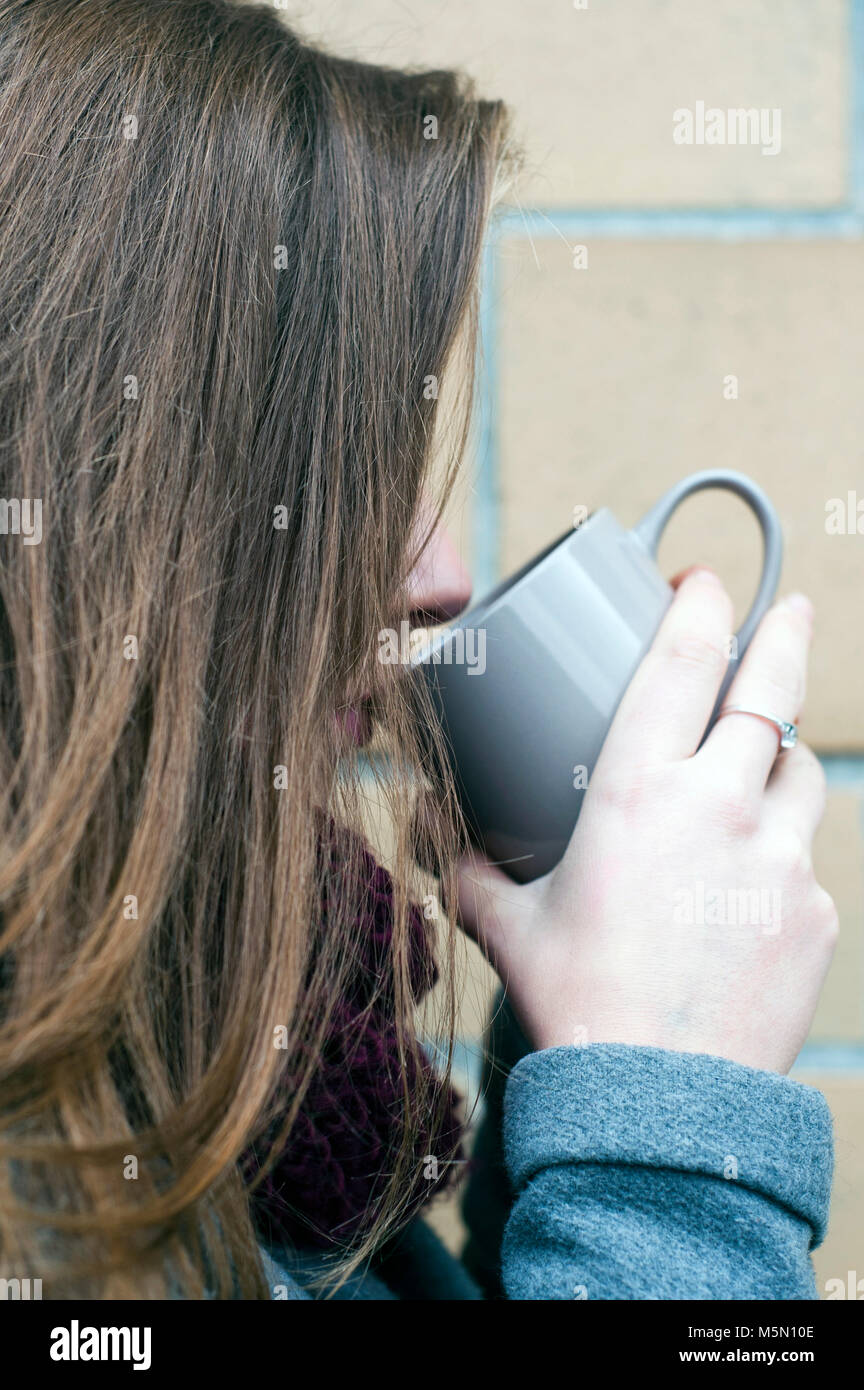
604, 384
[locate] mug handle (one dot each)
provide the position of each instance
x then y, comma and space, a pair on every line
649, 530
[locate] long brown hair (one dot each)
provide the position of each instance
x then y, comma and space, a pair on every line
230, 267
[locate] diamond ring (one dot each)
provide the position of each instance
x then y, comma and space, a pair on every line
788, 732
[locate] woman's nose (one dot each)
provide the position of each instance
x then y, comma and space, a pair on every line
439, 586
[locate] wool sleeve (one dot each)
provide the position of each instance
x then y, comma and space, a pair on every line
640, 1173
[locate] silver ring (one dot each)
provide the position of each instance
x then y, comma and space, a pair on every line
788, 732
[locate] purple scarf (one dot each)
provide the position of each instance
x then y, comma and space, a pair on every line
326, 1184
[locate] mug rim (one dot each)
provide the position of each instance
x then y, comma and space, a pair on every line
505, 589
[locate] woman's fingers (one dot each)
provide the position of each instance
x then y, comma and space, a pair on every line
772, 680
666, 707
795, 795
678, 579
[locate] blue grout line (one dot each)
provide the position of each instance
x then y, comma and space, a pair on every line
485, 520
701, 224
843, 771
831, 1059
828, 1059
856, 113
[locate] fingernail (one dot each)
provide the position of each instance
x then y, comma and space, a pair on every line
707, 576
801, 604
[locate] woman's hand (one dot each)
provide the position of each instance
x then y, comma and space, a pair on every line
637, 935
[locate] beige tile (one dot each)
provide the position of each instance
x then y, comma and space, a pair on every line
444, 1215
611, 388
478, 989
593, 90
839, 860
843, 1249
476, 981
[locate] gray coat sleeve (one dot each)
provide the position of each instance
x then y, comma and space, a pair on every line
639, 1173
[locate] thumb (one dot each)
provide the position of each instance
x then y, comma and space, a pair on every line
491, 906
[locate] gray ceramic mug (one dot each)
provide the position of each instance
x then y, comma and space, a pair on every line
526, 683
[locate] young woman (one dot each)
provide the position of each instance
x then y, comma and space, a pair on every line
234, 274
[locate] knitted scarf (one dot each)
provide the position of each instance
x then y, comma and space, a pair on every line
325, 1186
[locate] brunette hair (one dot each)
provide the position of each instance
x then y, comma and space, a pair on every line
230, 267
